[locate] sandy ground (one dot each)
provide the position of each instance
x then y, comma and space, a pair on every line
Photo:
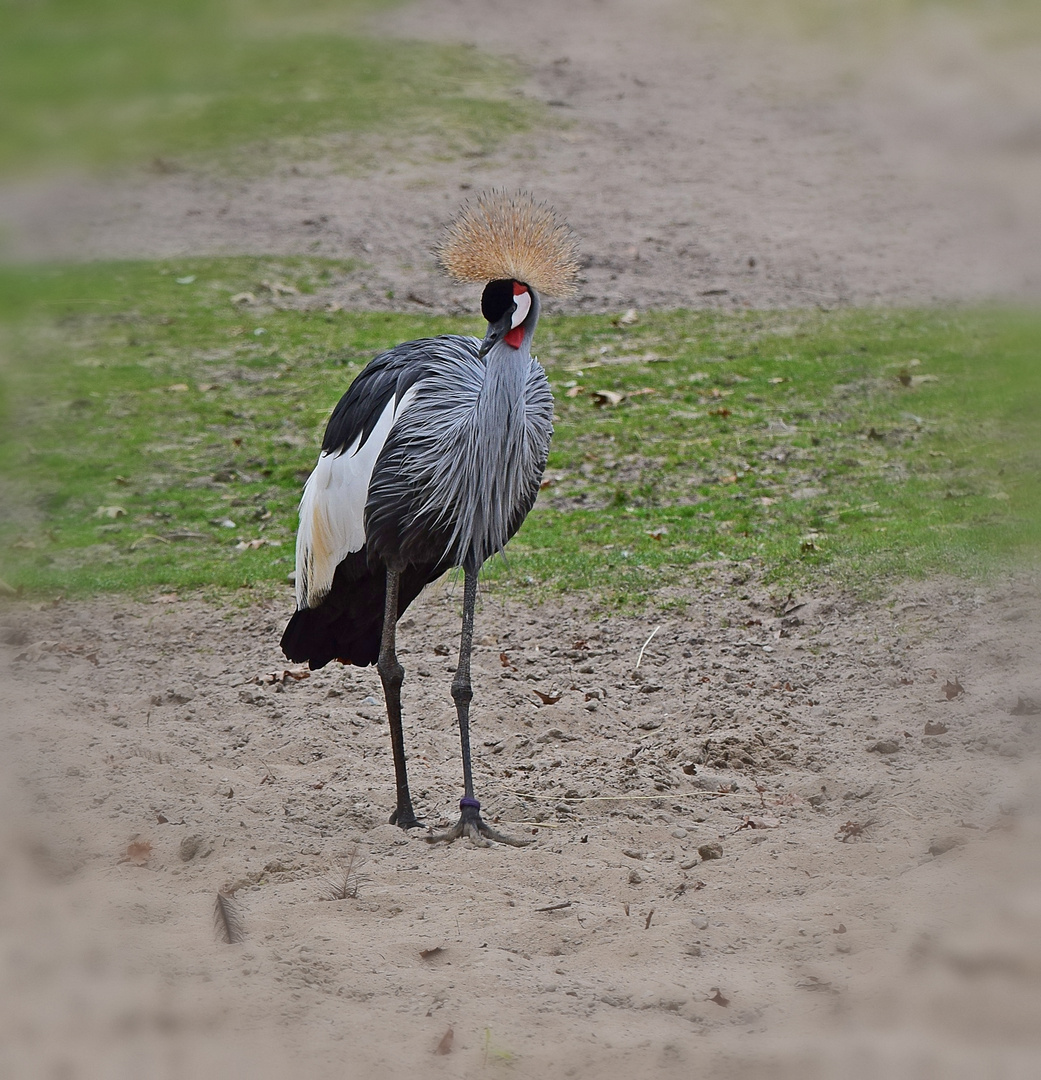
875, 909
699, 170
869, 770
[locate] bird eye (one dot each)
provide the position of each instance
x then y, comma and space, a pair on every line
522, 305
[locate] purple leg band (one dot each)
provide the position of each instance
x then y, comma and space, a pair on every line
465, 803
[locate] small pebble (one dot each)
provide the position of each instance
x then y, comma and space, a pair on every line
635, 877
945, 843
190, 847
711, 851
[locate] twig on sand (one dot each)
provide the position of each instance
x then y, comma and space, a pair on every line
645, 644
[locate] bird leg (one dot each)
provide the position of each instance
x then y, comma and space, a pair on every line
470, 822
392, 675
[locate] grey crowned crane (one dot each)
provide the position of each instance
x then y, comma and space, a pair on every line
431, 460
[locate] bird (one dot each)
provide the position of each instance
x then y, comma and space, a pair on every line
430, 461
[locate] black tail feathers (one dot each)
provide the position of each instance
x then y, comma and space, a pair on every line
313, 637
348, 624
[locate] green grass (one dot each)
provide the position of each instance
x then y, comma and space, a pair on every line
98, 83
143, 410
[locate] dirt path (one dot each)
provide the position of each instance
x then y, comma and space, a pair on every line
876, 908
698, 171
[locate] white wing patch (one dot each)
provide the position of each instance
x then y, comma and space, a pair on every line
332, 510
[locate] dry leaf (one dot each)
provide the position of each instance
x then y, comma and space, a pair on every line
444, 1045
851, 829
759, 823
427, 953
718, 998
548, 699
280, 288
148, 538
609, 398
138, 852
574, 391
952, 689
296, 674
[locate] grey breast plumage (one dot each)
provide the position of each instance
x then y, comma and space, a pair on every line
462, 465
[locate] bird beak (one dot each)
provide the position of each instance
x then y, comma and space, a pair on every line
493, 335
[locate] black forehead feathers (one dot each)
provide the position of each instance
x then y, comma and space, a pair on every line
497, 299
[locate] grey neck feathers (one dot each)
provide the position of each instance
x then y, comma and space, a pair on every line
490, 460
501, 432
477, 440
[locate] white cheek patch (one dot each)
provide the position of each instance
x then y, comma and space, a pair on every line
523, 302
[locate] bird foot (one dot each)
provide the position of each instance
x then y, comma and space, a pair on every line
471, 824
405, 818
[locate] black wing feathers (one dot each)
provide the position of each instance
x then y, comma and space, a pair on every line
390, 373
348, 624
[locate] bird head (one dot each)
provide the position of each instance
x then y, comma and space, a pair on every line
520, 248
512, 310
